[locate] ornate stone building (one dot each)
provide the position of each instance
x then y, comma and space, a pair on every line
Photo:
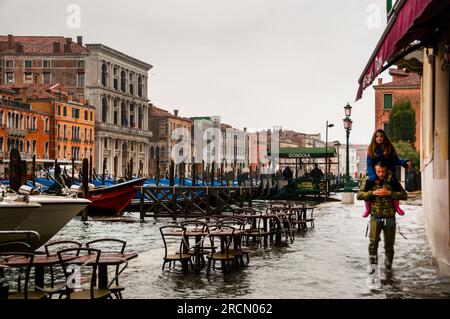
116, 84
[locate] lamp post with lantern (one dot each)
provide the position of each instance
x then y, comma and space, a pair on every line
347, 196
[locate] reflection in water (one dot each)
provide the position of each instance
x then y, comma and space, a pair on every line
329, 261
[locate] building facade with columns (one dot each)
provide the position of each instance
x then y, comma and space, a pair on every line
116, 84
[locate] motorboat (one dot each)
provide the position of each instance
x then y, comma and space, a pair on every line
50, 215
14, 211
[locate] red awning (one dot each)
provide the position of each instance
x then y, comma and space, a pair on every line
391, 41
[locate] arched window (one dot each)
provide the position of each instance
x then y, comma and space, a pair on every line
1, 118
64, 152
59, 128
104, 75
28, 146
123, 81
140, 86
104, 110
123, 114
47, 125
16, 121
140, 118
34, 124
152, 152
21, 146
21, 122
64, 133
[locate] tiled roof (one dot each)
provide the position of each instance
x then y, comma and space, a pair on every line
41, 44
412, 80
159, 112
37, 91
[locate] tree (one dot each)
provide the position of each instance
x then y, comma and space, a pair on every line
402, 122
406, 150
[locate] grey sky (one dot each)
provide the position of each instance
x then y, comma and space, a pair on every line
256, 63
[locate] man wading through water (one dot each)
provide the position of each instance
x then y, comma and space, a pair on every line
384, 191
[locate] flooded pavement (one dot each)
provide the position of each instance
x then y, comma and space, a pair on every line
329, 261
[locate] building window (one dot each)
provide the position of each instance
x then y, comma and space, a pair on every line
59, 151
46, 64
123, 81
105, 143
387, 129
115, 116
75, 113
46, 78
80, 79
28, 78
80, 64
387, 101
116, 84
85, 115
140, 86
64, 111
116, 144
91, 116
104, 74
34, 147
59, 109
28, 63
47, 125
9, 78
9, 63
34, 124
104, 110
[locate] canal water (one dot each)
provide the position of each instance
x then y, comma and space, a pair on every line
328, 261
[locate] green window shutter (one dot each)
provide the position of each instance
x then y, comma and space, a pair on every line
387, 130
388, 101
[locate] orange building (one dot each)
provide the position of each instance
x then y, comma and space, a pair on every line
71, 127
404, 86
22, 128
44, 120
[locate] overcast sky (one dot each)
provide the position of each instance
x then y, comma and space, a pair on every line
255, 63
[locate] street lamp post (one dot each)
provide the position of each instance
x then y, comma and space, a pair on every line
338, 177
347, 197
326, 159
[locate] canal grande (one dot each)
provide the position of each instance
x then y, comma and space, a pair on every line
328, 261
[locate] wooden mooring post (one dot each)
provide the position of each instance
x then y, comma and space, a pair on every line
85, 187
33, 170
115, 169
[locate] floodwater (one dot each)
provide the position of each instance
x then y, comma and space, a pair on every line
329, 261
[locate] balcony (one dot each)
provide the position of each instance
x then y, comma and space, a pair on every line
16, 131
15, 104
122, 130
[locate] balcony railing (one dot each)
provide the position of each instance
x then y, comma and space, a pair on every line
16, 131
123, 130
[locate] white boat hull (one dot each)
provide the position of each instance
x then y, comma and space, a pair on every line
13, 213
50, 217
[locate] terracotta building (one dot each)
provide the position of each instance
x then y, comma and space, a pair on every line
28, 60
404, 86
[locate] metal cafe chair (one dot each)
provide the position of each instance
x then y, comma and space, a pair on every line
222, 237
52, 248
15, 246
74, 287
116, 246
18, 264
200, 231
175, 245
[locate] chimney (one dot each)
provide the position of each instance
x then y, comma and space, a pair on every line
56, 47
79, 40
10, 41
380, 81
19, 48
24, 94
175, 112
68, 45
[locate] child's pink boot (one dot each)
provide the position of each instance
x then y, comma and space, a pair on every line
397, 208
367, 211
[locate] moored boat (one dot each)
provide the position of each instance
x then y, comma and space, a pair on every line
113, 199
